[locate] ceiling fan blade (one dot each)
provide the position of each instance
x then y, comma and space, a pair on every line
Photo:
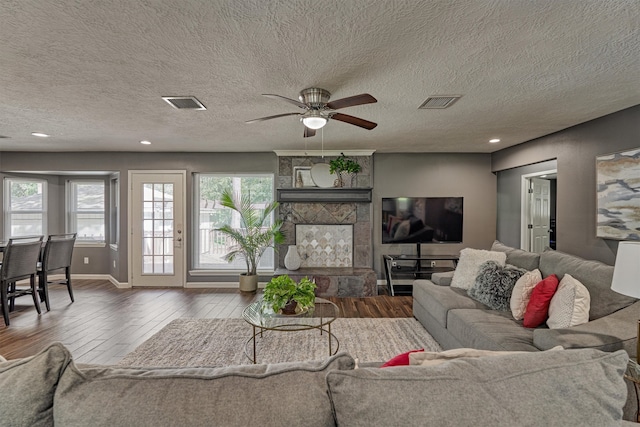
309, 132
262, 119
351, 101
354, 120
284, 98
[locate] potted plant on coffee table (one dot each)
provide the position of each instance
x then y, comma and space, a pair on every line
286, 296
252, 238
345, 168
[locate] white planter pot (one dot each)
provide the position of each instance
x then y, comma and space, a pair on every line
248, 284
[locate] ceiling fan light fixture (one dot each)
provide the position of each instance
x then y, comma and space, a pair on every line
314, 122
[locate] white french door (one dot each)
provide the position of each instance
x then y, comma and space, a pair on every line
156, 228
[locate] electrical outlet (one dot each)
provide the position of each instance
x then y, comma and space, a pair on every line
433, 263
86, 260
114, 263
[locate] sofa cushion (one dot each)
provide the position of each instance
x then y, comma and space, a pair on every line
27, 387
570, 304
438, 300
577, 387
494, 285
489, 330
469, 263
609, 333
522, 293
247, 395
538, 307
594, 275
518, 257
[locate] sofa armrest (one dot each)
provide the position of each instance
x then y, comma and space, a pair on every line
442, 279
617, 331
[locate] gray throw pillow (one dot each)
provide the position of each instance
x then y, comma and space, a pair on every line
494, 285
27, 387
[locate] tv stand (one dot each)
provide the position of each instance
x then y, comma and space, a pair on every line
410, 267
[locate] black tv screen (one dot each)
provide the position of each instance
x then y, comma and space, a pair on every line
422, 220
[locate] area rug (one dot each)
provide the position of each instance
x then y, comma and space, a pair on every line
221, 342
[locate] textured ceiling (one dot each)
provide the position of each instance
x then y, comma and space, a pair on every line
92, 73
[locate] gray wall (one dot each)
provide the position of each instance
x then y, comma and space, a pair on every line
438, 175
575, 149
509, 201
467, 175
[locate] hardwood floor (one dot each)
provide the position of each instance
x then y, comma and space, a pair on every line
105, 323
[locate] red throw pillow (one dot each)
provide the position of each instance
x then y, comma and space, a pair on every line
401, 359
538, 307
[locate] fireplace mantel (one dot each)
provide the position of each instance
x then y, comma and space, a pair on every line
324, 195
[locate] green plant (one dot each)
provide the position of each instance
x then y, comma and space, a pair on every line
282, 289
254, 236
344, 164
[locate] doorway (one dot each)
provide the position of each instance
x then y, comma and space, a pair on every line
538, 220
156, 228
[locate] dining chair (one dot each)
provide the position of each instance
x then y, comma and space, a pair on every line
57, 256
20, 262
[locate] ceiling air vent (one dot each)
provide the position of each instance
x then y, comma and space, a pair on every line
439, 101
184, 102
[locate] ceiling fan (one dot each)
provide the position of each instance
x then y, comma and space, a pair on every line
318, 109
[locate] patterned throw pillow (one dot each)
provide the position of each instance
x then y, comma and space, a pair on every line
470, 261
570, 304
522, 292
494, 285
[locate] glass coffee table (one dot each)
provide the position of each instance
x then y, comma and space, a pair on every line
263, 319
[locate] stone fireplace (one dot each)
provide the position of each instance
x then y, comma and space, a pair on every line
331, 228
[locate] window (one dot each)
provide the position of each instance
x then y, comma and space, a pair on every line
25, 207
85, 211
211, 246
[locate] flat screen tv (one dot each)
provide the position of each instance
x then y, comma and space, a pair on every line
422, 220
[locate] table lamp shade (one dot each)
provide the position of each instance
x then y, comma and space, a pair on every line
626, 274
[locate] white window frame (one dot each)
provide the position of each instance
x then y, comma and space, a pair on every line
199, 269
8, 213
71, 211
114, 211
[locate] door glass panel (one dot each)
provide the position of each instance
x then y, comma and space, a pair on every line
157, 223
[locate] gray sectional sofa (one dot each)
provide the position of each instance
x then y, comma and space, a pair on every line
456, 320
573, 387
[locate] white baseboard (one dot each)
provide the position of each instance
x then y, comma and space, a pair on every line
121, 285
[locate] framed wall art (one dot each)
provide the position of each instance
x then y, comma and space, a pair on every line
618, 195
302, 177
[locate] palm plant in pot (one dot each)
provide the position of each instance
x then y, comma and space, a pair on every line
345, 168
286, 296
254, 236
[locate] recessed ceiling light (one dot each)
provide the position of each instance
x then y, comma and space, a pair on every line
145, 142
494, 140
40, 134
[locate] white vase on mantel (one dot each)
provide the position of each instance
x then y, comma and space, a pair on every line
292, 259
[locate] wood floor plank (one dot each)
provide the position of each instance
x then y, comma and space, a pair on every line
105, 323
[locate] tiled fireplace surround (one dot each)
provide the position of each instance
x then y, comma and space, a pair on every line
359, 280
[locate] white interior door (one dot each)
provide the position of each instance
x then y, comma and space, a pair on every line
540, 214
156, 229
